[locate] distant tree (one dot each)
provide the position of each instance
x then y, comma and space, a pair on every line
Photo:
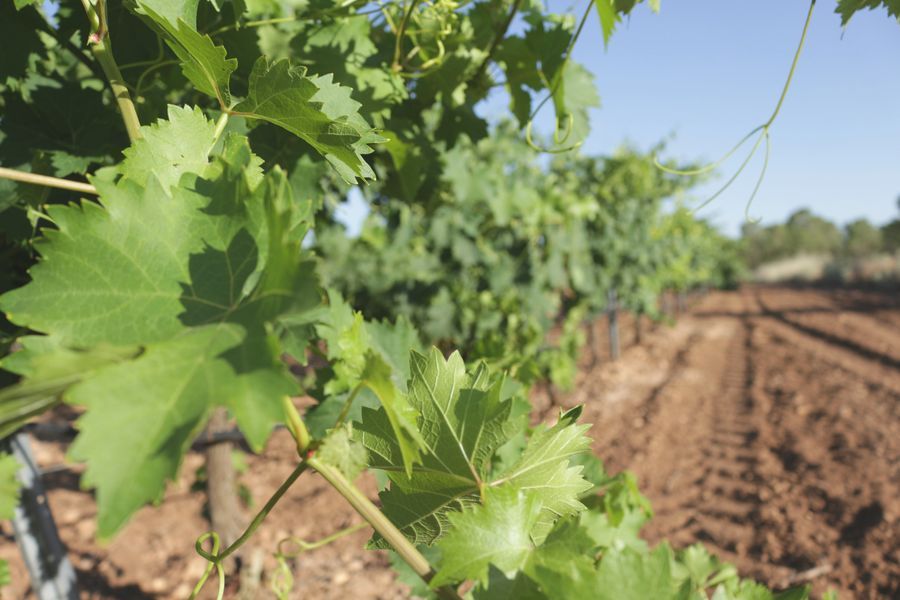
890, 233
862, 239
811, 234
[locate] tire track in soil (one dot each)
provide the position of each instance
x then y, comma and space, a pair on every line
879, 369
831, 467
861, 335
779, 452
711, 497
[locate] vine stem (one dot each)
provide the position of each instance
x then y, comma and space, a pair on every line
381, 524
498, 38
46, 180
102, 51
215, 557
103, 54
398, 43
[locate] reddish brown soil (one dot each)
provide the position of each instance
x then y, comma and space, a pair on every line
765, 424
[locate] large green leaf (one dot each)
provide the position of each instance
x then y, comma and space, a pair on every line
194, 275
315, 109
142, 416
463, 419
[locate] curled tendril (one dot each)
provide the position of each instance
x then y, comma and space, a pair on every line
283, 580
554, 85
215, 556
214, 561
570, 125
764, 135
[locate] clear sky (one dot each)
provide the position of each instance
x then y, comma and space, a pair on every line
707, 72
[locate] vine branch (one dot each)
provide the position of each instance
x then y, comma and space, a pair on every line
498, 38
46, 180
102, 51
381, 524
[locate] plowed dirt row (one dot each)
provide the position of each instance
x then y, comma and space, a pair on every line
776, 447
765, 424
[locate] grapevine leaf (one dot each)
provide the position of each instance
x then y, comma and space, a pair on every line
154, 269
563, 562
609, 18
563, 565
520, 66
9, 485
143, 415
627, 574
155, 153
173, 10
340, 450
463, 420
203, 63
20, 4
574, 94
317, 110
847, 8
397, 409
610, 13
544, 469
494, 533
104, 266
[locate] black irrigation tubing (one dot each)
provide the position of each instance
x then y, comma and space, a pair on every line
51, 571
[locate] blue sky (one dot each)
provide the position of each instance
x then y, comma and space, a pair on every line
707, 72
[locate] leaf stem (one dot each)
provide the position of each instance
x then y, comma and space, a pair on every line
381, 524
220, 125
46, 180
295, 425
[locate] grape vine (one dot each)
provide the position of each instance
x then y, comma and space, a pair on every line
163, 166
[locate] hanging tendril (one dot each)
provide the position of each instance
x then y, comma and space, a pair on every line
764, 136
554, 86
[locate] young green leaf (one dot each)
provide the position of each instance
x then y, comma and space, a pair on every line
203, 63
315, 109
155, 153
463, 420
341, 451
497, 532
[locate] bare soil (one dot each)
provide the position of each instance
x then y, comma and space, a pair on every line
765, 424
